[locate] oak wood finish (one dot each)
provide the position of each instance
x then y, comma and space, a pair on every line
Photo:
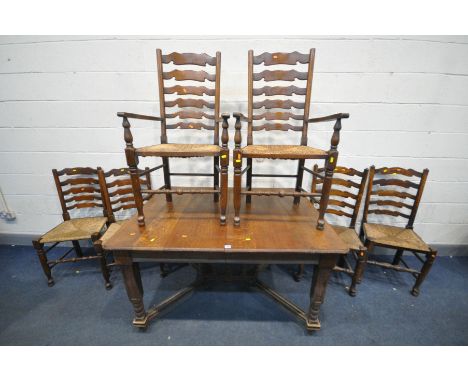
260, 113
397, 192
193, 112
344, 204
187, 232
77, 188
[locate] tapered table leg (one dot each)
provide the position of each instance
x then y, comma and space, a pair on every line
133, 285
322, 273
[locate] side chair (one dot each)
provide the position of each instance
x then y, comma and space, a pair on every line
117, 191
77, 188
346, 194
184, 106
288, 112
397, 192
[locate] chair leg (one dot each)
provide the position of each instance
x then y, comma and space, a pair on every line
299, 177
397, 258
297, 276
97, 244
78, 251
248, 198
39, 247
424, 271
224, 185
216, 178
358, 271
237, 185
167, 178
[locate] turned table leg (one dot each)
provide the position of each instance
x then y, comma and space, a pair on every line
133, 285
320, 278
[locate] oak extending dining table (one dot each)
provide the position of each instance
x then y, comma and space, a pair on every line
187, 230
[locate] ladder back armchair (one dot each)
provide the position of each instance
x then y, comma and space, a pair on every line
397, 192
284, 107
184, 106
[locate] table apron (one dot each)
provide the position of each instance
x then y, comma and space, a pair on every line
122, 257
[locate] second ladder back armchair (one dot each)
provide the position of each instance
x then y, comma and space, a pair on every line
285, 107
192, 103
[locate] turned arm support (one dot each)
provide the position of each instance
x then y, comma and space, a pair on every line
139, 116
335, 139
225, 134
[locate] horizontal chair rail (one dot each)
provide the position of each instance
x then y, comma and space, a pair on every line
273, 176
394, 267
317, 174
151, 170
191, 174
281, 193
181, 191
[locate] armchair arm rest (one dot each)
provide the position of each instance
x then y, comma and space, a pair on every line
332, 117
139, 116
241, 117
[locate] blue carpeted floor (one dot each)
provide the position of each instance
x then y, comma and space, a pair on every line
79, 311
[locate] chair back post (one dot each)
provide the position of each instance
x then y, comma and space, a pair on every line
360, 194
65, 213
419, 193
162, 104
217, 98
368, 195
148, 178
108, 213
314, 178
250, 96
310, 76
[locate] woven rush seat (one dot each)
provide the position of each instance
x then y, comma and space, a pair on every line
112, 230
349, 236
74, 229
395, 236
179, 150
282, 151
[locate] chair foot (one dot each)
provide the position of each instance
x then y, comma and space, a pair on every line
237, 221
352, 292
141, 221
297, 277
415, 292
108, 286
222, 220
163, 271
50, 282
320, 224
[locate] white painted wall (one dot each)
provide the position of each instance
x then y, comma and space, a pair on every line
407, 96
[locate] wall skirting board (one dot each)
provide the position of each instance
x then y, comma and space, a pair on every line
26, 239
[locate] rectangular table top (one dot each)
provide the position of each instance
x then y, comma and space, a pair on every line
190, 224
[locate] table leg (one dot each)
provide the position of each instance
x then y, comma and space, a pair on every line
133, 285
320, 278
